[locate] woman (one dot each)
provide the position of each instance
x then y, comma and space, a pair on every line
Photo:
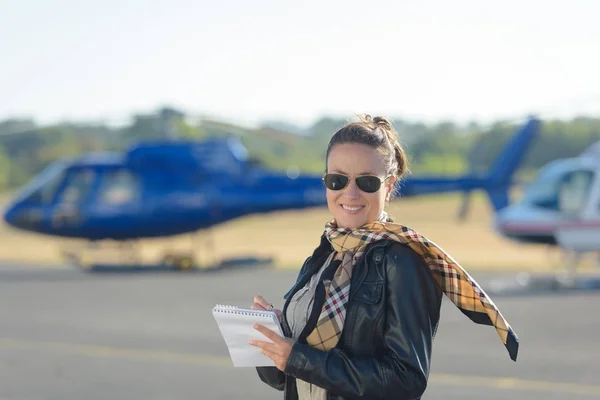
362, 316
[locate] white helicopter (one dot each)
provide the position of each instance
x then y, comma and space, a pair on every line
560, 207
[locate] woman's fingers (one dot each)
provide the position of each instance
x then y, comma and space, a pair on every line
257, 306
264, 303
261, 304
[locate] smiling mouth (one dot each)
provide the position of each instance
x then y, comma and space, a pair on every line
352, 209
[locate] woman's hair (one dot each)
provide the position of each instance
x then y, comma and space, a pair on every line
377, 133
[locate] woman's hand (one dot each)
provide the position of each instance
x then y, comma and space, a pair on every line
278, 351
261, 304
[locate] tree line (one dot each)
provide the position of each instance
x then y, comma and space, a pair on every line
444, 147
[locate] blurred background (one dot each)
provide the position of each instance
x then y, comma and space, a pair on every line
157, 158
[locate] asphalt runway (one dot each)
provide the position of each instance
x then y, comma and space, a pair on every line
67, 334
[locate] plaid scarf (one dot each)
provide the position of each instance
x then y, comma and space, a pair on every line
454, 281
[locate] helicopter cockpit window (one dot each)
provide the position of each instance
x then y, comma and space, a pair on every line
566, 191
48, 191
79, 185
118, 187
42, 188
574, 191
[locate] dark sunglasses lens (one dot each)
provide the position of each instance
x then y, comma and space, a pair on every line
336, 181
369, 184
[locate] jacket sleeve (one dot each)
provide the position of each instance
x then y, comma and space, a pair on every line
412, 313
272, 377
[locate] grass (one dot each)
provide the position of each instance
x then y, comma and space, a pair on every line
290, 237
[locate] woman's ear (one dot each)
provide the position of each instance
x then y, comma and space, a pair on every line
389, 188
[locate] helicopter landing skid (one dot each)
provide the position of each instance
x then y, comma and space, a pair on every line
93, 254
122, 256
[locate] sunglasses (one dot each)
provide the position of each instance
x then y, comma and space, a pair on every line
366, 183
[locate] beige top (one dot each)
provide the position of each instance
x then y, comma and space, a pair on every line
297, 314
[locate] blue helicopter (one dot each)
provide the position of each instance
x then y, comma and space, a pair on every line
169, 187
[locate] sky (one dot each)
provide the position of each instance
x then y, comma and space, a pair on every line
250, 61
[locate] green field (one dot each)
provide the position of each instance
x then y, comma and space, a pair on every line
290, 237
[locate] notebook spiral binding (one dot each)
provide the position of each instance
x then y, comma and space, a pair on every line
220, 308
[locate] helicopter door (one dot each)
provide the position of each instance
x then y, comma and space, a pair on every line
68, 210
578, 202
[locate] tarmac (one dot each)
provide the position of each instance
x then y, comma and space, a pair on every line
71, 334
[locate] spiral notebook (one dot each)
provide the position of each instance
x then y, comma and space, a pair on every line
236, 326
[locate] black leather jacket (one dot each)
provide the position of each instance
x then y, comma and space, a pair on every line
385, 348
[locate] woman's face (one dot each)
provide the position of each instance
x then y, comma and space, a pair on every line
352, 207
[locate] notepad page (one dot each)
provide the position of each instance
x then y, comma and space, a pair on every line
237, 329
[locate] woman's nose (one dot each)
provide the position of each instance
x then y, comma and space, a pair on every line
352, 191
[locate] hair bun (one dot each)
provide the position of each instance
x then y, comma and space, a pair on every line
383, 122
377, 122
